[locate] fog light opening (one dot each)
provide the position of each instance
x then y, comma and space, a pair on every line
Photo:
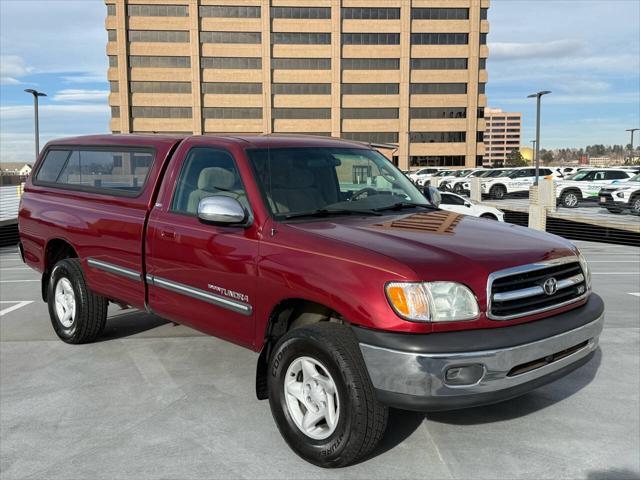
464, 375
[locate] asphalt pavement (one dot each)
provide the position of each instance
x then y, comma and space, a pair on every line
152, 400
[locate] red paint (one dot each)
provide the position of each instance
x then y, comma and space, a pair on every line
342, 263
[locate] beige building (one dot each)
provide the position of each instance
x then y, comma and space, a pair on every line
502, 135
410, 73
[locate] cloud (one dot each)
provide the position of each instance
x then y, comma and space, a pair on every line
15, 112
12, 67
79, 95
525, 51
85, 77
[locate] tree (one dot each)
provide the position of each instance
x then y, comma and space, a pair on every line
546, 156
515, 159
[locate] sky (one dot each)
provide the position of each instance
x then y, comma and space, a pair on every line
587, 52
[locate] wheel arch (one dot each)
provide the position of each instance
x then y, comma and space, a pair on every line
56, 249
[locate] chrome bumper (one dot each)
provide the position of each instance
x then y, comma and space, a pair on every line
420, 378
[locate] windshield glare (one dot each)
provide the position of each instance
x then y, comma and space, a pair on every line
300, 180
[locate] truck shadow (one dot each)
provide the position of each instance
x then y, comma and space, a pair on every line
129, 323
534, 401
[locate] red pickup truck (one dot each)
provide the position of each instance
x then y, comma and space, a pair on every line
358, 292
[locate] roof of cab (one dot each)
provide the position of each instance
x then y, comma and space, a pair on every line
250, 141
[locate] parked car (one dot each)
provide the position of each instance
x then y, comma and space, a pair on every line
445, 180
456, 203
456, 185
463, 186
357, 292
421, 176
622, 196
586, 184
518, 181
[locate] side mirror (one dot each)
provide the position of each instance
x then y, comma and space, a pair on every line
221, 210
433, 195
467, 204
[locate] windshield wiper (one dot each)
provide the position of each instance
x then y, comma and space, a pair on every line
325, 212
401, 205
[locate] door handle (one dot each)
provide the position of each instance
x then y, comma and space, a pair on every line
168, 234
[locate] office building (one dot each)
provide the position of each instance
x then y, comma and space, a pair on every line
410, 73
501, 136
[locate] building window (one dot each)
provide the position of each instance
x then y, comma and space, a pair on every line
439, 63
435, 112
480, 112
289, 38
230, 37
232, 88
438, 88
437, 161
440, 13
369, 113
479, 137
157, 36
301, 89
229, 12
161, 112
160, 87
365, 13
439, 38
115, 112
483, 64
370, 63
483, 39
113, 61
233, 63
111, 10
438, 137
114, 87
371, 39
221, 113
159, 62
482, 87
303, 13
372, 137
112, 35
301, 63
158, 10
301, 113
484, 13
370, 88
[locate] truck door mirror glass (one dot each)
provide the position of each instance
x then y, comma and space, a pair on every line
433, 195
221, 210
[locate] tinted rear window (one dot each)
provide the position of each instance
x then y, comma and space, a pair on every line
119, 170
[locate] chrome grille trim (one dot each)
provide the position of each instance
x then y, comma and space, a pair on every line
532, 291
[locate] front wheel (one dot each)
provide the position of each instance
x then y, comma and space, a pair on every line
498, 192
635, 205
321, 396
570, 199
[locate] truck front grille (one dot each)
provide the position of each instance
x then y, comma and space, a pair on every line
521, 291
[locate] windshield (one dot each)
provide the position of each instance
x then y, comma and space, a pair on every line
479, 173
635, 178
443, 173
295, 181
584, 175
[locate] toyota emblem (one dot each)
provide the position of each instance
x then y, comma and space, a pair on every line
550, 286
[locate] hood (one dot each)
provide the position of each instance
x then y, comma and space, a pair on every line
440, 245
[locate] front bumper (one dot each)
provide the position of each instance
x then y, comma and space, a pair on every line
410, 371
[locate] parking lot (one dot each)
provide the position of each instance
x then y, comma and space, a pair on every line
155, 400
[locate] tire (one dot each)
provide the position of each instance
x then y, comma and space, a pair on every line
570, 199
489, 216
498, 192
634, 205
359, 419
457, 188
88, 311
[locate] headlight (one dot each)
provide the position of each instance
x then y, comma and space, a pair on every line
586, 271
432, 301
620, 194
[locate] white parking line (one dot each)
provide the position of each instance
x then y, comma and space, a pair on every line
615, 273
18, 304
635, 294
18, 281
614, 261
14, 268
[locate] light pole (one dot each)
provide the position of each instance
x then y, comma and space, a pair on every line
632, 130
36, 94
533, 144
538, 96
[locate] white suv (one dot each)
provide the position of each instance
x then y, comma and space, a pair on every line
586, 184
423, 174
518, 181
445, 181
622, 196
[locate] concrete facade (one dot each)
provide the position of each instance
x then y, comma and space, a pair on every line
502, 135
409, 73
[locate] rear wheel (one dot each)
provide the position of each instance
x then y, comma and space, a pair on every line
321, 396
570, 199
498, 192
635, 205
77, 314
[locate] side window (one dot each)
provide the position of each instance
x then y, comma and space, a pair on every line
616, 175
206, 172
448, 199
120, 170
599, 176
544, 171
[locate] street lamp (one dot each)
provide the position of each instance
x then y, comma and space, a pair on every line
538, 96
36, 94
632, 130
